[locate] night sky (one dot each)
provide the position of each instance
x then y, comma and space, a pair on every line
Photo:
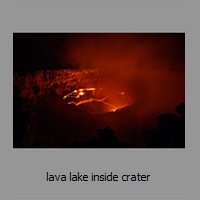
34, 51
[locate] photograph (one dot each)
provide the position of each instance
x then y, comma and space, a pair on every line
99, 90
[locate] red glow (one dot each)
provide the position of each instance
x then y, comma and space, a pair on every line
110, 100
78, 83
149, 67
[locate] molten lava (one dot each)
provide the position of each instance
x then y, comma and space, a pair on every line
98, 101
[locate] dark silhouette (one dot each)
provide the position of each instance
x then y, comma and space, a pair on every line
170, 131
19, 119
106, 139
43, 142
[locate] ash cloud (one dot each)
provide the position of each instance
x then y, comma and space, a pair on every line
149, 67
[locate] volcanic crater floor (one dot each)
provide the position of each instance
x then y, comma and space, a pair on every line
62, 126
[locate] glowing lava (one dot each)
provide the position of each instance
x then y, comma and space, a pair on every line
98, 100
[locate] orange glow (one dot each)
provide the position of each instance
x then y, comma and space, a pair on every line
112, 101
148, 66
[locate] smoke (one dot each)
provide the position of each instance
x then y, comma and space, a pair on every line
148, 67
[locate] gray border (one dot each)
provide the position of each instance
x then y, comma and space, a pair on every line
173, 172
